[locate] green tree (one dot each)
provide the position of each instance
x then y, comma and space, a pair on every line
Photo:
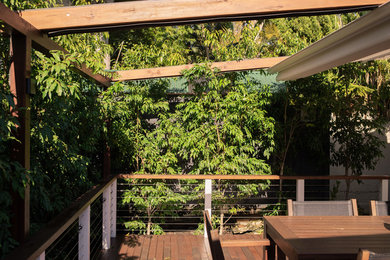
227, 130
356, 125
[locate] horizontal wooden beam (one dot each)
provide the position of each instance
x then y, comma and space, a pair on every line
175, 71
100, 17
245, 243
42, 239
41, 42
249, 177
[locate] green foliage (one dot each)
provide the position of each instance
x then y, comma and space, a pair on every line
227, 130
154, 198
356, 125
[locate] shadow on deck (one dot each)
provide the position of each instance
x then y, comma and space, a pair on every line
176, 247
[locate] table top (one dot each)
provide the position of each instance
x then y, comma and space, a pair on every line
300, 236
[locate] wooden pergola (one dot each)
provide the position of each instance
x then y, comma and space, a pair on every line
33, 29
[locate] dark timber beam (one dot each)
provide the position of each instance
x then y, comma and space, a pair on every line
176, 71
101, 17
19, 74
41, 42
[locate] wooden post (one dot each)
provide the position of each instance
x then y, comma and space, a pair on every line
19, 74
385, 190
106, 237
84, 234
113, 208
300, 193
207, 199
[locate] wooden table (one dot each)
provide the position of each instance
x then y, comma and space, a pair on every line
327, 237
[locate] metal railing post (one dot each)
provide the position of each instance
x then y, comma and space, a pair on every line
106, 236
113, 208
84, 234
300, 192
207, 199
384, 190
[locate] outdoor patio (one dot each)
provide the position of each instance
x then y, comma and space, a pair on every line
177, 247
95, 226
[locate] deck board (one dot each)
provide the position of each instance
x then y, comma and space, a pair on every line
176, 247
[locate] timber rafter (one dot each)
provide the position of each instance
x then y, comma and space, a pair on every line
175, 71
103, 17
41, 42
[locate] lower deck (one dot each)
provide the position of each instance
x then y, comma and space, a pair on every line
177, 247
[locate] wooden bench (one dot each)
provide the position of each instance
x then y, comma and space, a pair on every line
217, 245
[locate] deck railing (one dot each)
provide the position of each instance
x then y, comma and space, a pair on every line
77, 221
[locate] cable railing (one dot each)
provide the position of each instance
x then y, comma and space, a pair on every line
238, 202
85, 229
75, 233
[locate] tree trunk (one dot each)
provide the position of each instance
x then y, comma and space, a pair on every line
347, 183
148, 230
221, 216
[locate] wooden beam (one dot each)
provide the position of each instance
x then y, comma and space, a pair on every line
245, 243
41, 42
248, 177
100, 17
19, 74
176, 71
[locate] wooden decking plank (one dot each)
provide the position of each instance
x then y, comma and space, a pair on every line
181, 245
136, 253
256, 253
178, 247
248, 253
202, 247
187, 248
167, 247
145, 248
131, 242
123, 249
160, 247
153, 248
195, 248
174, 248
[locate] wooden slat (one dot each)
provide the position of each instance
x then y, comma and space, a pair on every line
41, 240
42, 42
245, 243
373, 208
175, 71
247, 177
173, 12
354, 207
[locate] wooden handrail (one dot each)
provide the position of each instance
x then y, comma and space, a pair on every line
249, 177
37, 243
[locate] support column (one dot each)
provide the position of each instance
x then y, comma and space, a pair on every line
106, 237
113, 208
19, 75
207, 199
84, 234
300, 190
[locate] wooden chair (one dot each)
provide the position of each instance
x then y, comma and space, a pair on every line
216, 244
322, 208
369, 255
380, 208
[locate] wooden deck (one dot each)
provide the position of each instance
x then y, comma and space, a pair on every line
176, 247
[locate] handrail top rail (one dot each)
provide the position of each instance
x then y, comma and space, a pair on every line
249, 177
38, 242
